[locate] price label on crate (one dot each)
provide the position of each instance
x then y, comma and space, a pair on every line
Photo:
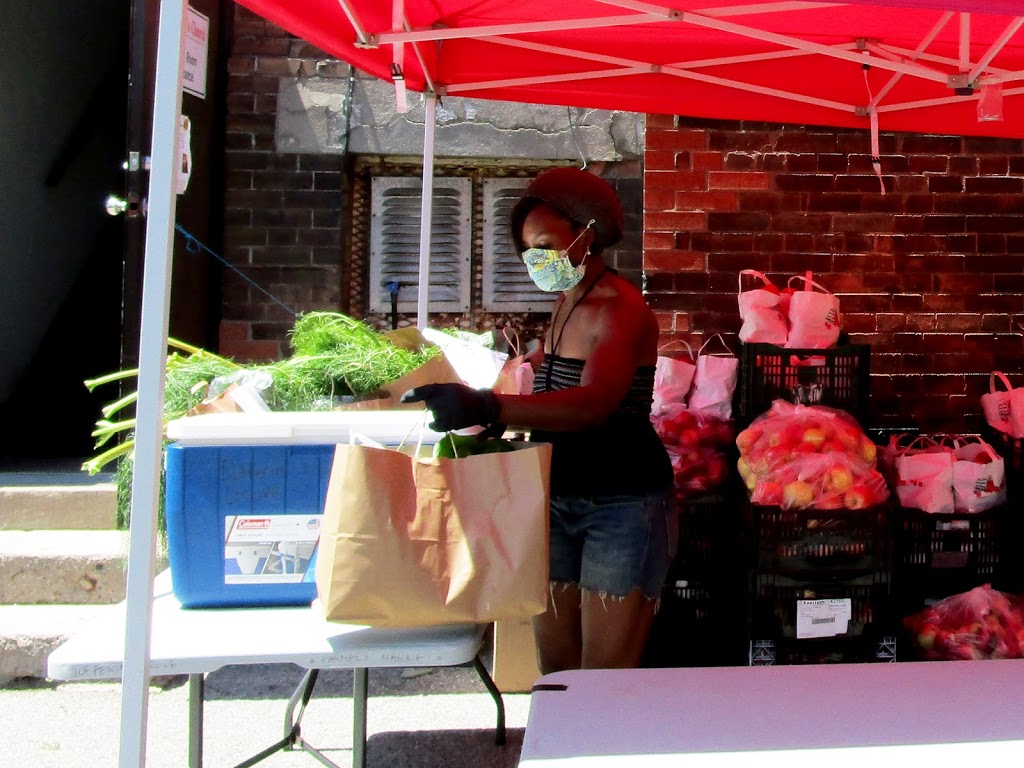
823, 618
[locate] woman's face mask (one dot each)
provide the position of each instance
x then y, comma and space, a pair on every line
552, 270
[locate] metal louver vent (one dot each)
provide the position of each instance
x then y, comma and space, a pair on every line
507, 285
395, 243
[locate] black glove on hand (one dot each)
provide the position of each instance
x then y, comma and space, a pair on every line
455, 405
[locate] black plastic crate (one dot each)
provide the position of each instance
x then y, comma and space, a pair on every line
698, 624
836, 377
968, 543
817, 544
776, 602
869, 648
708, 537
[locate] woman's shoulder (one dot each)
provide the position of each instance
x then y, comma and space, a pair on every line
627, 297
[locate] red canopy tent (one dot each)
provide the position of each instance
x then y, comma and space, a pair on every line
907, 65
921, 65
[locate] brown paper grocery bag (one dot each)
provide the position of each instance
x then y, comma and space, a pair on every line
415, 542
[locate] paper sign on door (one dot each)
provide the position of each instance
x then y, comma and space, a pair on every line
823, 618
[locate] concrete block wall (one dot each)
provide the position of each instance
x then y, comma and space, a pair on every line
930, 274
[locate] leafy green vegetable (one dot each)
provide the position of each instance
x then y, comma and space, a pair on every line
346, 357
334, 356
455, 446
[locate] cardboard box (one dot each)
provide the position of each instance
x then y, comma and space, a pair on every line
515, 656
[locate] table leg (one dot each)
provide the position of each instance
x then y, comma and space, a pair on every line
485, 677
359, 693
196, 693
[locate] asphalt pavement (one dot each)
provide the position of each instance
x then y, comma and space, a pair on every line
439, 718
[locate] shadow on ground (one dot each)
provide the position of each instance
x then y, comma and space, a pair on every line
437, 749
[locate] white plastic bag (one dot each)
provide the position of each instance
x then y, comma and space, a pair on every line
714, 381
979, 478
924, 477
1004, 410
813, 316
476, 363
673, 377
760, 312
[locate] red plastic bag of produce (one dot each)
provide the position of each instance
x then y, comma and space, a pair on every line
983, 623
834, 480
809, 457
696, 444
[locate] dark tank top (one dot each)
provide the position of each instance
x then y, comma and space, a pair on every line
621, 456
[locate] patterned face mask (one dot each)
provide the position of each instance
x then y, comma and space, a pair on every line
551, 270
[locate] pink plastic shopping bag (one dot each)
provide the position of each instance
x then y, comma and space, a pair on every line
813, 316
760, 312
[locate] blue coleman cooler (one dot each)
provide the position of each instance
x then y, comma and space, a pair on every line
245, 496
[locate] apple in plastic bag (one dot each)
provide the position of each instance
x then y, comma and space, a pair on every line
798, 494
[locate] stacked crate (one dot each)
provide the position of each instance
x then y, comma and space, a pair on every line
1010, 572
836, 377
947, 554
819, 582
820, 585
700, 618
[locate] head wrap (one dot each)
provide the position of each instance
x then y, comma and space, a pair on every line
578, 195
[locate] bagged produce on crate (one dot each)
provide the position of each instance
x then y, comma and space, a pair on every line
714, 381
813, 316
924, 476
673, 377
763, 320
979, 476
983, 623
809, 457
947, 475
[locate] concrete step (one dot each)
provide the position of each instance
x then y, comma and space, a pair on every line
58, 507
29, 633
62, 567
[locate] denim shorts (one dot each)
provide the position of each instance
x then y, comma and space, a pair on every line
611, 544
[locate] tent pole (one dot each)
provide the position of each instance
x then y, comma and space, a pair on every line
156, 290
426, 209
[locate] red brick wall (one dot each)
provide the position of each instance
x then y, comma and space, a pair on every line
283, 218
929, 274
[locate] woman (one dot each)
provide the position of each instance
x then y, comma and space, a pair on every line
591, 400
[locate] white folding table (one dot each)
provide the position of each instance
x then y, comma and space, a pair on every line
196, 641
839, 715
